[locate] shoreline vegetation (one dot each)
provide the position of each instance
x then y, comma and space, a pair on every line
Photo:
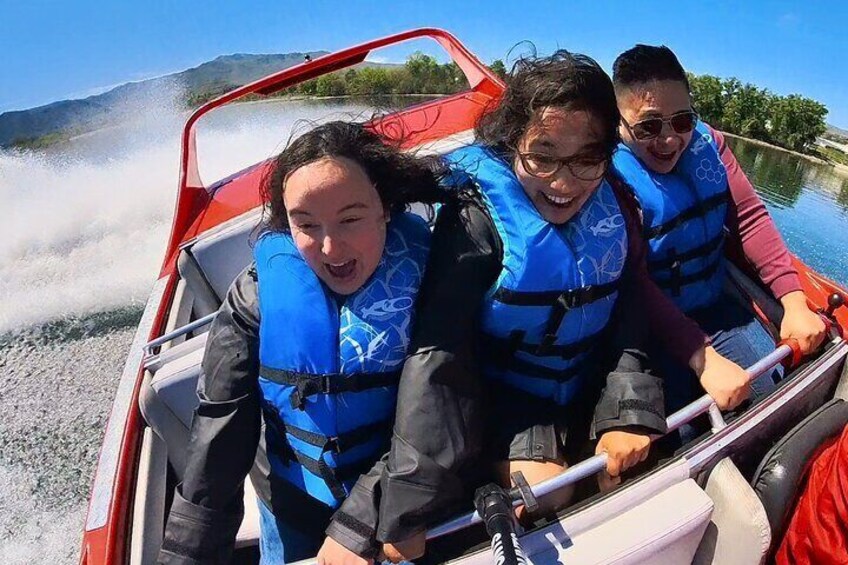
839, 168
788, 123
420, 75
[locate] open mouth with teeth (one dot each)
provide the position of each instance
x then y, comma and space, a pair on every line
558, 201
341, 271
662, 155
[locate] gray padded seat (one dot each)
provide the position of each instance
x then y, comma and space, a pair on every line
167, 400
210, 263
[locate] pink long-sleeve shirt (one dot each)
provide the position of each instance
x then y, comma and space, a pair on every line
751, 227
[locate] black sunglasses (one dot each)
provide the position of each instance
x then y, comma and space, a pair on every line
682, 122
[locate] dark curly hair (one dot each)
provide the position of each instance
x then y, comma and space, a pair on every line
564, 80
401, 179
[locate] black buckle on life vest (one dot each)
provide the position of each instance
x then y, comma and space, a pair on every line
514, 341
544, 347
564, 302
308, 387
334, 444
298, 397
675, 268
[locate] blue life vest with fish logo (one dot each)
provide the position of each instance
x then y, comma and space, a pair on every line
328, 374
558, 284
683, 215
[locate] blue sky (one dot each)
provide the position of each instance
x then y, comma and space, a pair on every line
56, 50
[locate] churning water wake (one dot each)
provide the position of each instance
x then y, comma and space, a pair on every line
82, 234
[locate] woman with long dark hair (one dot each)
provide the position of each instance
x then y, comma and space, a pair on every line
533, 313
311, 337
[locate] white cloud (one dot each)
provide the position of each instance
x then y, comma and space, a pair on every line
383, 60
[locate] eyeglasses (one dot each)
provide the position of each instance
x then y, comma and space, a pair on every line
682, 122
582, 167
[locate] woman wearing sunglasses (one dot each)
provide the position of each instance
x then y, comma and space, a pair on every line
533, 310
692, 192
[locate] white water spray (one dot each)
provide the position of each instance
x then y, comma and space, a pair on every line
86, 234
83, 231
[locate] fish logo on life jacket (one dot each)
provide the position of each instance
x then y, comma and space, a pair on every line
384, 309
608, 225
702, 142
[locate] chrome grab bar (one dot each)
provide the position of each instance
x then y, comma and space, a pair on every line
190, 327
598, 463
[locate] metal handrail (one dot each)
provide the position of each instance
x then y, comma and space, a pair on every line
190, 327
598, 463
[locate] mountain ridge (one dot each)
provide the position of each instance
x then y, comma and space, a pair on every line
74, 116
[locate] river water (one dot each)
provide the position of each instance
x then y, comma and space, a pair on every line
809, 204
81, 238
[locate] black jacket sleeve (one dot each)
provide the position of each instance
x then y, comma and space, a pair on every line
439, 421
208, 504
632, 395
354, 525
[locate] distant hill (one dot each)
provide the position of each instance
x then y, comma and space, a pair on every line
69, 117
833, 130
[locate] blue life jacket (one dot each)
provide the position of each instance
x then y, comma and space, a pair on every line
558, 284
328, 374
683, 215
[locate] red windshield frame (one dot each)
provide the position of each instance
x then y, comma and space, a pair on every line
193, 196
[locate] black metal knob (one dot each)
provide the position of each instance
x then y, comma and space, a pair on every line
834, 301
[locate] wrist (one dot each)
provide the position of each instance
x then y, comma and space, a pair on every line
632, 429
794, 301
698, 361
351, 540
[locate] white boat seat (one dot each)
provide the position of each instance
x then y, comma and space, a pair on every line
168, 399
781, 472
739, 530
211, 263
659, 520
665, 528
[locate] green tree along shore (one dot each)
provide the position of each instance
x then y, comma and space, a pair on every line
421, 74
792, 122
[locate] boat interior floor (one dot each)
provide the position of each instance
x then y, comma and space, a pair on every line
207, 266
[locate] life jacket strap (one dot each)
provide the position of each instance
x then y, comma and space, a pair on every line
675, 283
702, 208
341, 442
564, 300
334, 477
307, 384
694, 253
510, 362
515, 342
675, 275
